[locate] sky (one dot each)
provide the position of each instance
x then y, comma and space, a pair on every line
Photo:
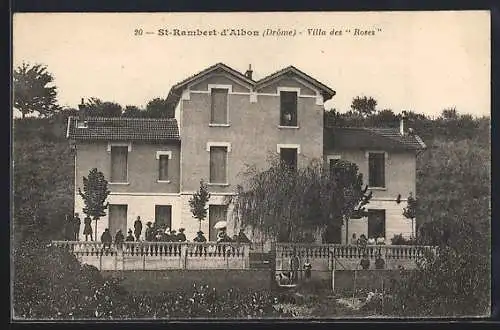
419, 61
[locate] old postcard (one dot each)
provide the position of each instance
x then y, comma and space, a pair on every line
324, 165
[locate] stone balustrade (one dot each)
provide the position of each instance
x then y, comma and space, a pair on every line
159, 255
327, 256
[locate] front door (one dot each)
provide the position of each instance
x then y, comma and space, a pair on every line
376, 223
216, 213
163, 216
117, 218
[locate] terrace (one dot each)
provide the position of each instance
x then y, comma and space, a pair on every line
235, 256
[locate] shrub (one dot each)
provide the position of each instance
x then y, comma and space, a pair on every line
401, 240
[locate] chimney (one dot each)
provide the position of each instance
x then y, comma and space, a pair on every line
249, 72
402, 123
81, 106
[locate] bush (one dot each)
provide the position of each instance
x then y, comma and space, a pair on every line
401, 240
50, 283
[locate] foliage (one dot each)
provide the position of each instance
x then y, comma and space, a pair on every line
94, 195
401, 240
95, 107
50, 283
286, 203
364, 105
454, 213
132, 111
198, 202
32, 90
410, 211
42, 177
159, 108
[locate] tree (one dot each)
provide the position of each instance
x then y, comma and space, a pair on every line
449, 114
365, 106
385, 118
32, 90
97, 108
198, 203
287, 204
410, 211
132, 111
95, 192
159, 108
454, 206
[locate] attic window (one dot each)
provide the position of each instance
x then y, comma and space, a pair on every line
82, 124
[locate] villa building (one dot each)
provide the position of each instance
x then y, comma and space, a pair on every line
225, 121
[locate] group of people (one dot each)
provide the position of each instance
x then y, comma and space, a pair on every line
362, 241
153, 233
73, 225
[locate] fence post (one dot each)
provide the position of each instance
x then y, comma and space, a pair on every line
183, 256
334, 265
272, 265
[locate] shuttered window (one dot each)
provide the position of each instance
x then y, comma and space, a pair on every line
163, 168
119, 157
219, 106
376, 169
218, 164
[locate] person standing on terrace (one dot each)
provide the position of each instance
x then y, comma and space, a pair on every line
87, 229
137, 228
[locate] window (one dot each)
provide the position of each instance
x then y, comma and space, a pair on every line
117, 218
376, 223
163, 168
119, 155
219, 108
376, 169
288, 108
288, 157
163, 216
218, 164
216, 213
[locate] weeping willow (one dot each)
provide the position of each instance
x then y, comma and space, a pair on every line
287, 204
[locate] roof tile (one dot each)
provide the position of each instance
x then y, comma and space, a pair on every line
143, 129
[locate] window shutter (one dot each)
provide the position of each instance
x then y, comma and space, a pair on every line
163, 163
219, 106
218, 160
119, 164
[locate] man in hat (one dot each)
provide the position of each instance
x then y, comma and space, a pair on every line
76, 226
137, 228
119, 238
149, 232
130, 237
181, 237
106, 239
200, 238
87, 228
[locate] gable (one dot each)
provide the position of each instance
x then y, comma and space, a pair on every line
219, 79
290, 81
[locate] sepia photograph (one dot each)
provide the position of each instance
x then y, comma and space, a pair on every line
251, 166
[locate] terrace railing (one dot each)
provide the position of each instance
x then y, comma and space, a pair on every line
323, 256
159, 255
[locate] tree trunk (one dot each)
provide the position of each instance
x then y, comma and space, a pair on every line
199, 222
346, 231
22, 115
95, 231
